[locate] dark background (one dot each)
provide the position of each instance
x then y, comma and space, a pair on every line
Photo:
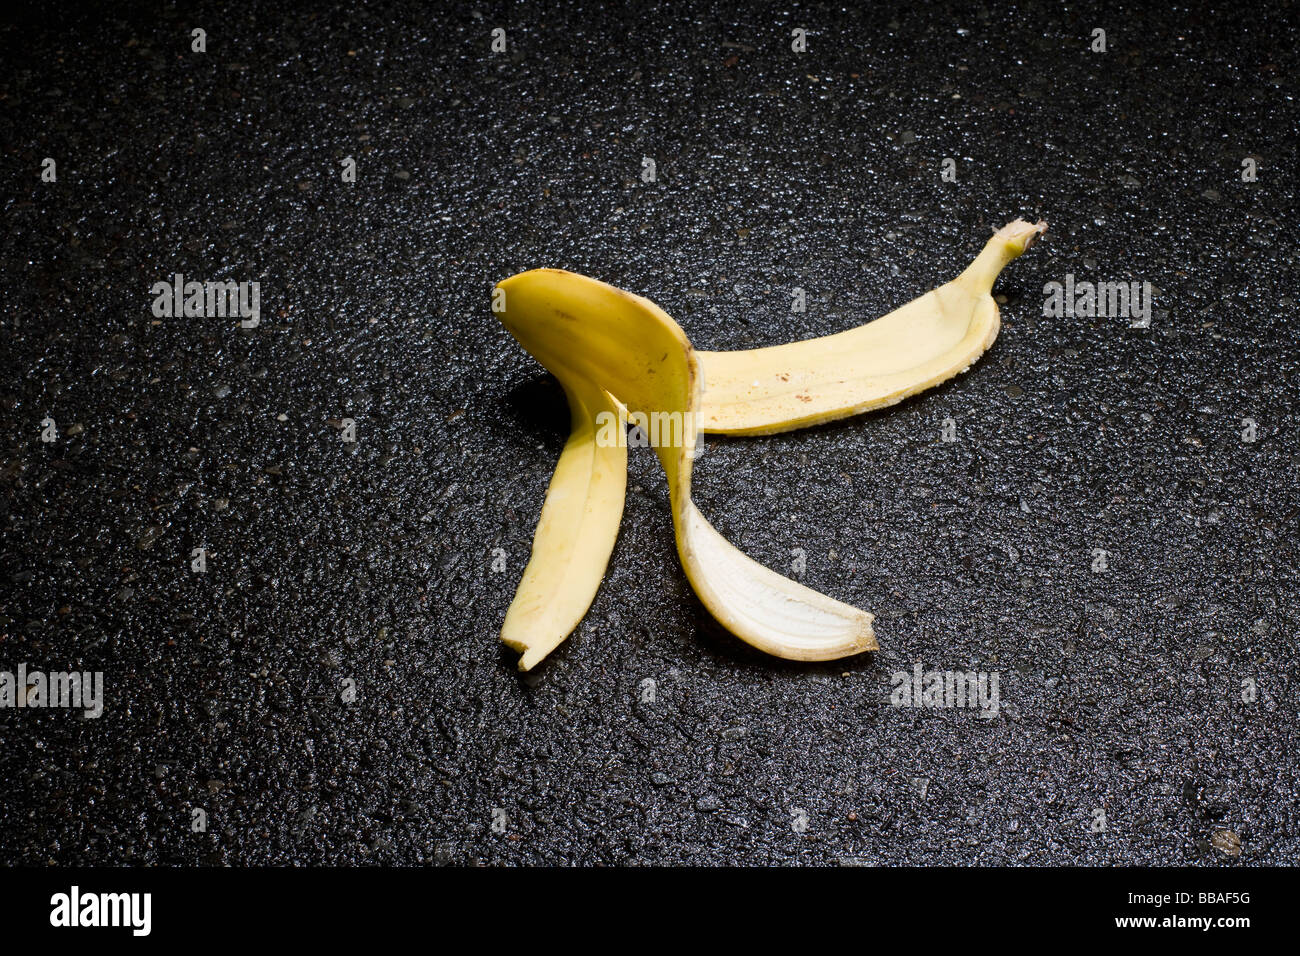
372, 562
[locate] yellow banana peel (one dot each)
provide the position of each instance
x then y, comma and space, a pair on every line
620, 358
925, 342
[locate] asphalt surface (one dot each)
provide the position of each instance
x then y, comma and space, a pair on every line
1122, 735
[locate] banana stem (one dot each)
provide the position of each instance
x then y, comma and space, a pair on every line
1006, 244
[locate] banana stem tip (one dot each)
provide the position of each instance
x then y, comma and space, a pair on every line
1023, 233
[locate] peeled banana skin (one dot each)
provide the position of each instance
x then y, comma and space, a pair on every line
576, 532
921, 344
617, 354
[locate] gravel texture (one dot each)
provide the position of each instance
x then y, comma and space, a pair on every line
329, 562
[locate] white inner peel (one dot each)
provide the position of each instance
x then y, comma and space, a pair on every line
766, 609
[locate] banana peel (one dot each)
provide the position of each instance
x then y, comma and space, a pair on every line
925, 342
576, 531
617, 355
596, 338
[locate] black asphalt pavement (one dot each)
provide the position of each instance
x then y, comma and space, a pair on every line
1113, 533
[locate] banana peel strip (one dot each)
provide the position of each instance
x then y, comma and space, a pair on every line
922, 344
